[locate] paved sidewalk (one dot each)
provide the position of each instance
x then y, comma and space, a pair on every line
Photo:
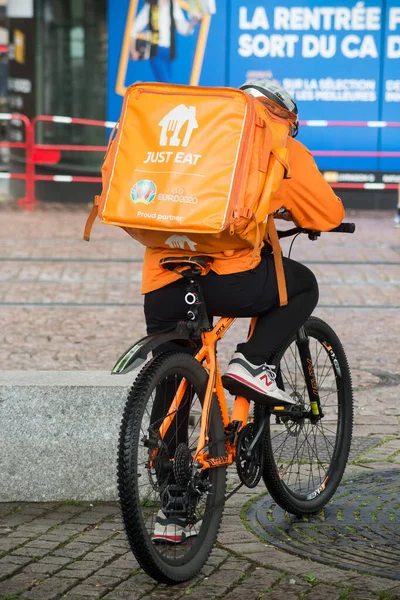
67, 305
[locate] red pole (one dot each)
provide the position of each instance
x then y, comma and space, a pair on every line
29, 202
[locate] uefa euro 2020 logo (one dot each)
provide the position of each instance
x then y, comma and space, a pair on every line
144, 191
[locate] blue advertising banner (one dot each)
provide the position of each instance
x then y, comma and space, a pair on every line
178, 41
326, 54
339, 59
390, 91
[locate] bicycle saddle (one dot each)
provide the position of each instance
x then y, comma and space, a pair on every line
187, 266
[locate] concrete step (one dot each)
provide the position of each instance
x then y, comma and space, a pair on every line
59, 434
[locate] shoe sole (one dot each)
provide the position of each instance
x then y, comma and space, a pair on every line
237, 388
159, 539
172, 539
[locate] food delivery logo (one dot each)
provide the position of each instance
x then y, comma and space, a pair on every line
180, 119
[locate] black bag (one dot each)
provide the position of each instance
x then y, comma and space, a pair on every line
143, 47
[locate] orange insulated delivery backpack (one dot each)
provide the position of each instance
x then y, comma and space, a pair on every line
192, 168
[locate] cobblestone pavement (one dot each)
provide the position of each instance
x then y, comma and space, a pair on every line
67, 305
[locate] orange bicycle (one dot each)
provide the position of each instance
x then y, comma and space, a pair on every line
177, 437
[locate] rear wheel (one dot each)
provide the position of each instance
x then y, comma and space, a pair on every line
171, 510
305, 461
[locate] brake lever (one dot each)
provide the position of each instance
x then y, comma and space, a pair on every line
314, 235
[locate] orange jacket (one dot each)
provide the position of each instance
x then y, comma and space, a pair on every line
307, 196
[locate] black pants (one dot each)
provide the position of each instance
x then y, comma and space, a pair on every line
248, 294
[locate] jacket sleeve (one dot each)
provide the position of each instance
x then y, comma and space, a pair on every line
309, 198
141, 21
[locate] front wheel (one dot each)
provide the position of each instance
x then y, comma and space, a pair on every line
305, 461
171, 510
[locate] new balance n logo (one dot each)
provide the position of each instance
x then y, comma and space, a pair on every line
266, 380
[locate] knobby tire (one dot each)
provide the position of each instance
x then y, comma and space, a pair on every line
163, 568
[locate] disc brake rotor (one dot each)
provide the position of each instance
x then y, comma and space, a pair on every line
294, 423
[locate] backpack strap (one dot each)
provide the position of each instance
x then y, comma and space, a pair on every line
258, 242
91, 218
285, 165
248, 214
265, 148
93, 213
272, 238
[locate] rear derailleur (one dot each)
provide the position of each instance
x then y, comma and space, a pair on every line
179, 499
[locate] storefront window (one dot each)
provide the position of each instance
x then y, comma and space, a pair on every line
71, 73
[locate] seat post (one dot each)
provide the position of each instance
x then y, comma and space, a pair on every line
191, 268
198, 319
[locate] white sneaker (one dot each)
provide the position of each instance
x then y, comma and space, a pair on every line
173, 530
397, 220
255, 382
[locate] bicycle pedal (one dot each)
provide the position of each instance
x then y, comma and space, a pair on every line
232, 430
288, 411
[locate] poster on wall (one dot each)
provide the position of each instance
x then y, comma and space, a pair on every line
339, 59
173, 41
327, 54
390, 93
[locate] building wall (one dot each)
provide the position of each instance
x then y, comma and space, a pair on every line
71, 42
57, 66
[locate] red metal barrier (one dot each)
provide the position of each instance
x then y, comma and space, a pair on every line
39, 148
43, 151
51, 153
38, 153
29, 200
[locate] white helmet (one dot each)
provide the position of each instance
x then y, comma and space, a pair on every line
265, 88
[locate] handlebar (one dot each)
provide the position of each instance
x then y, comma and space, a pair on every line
343, 228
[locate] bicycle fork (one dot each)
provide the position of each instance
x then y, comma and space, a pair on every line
303, 344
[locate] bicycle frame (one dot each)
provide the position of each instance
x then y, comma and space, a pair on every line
215, 392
